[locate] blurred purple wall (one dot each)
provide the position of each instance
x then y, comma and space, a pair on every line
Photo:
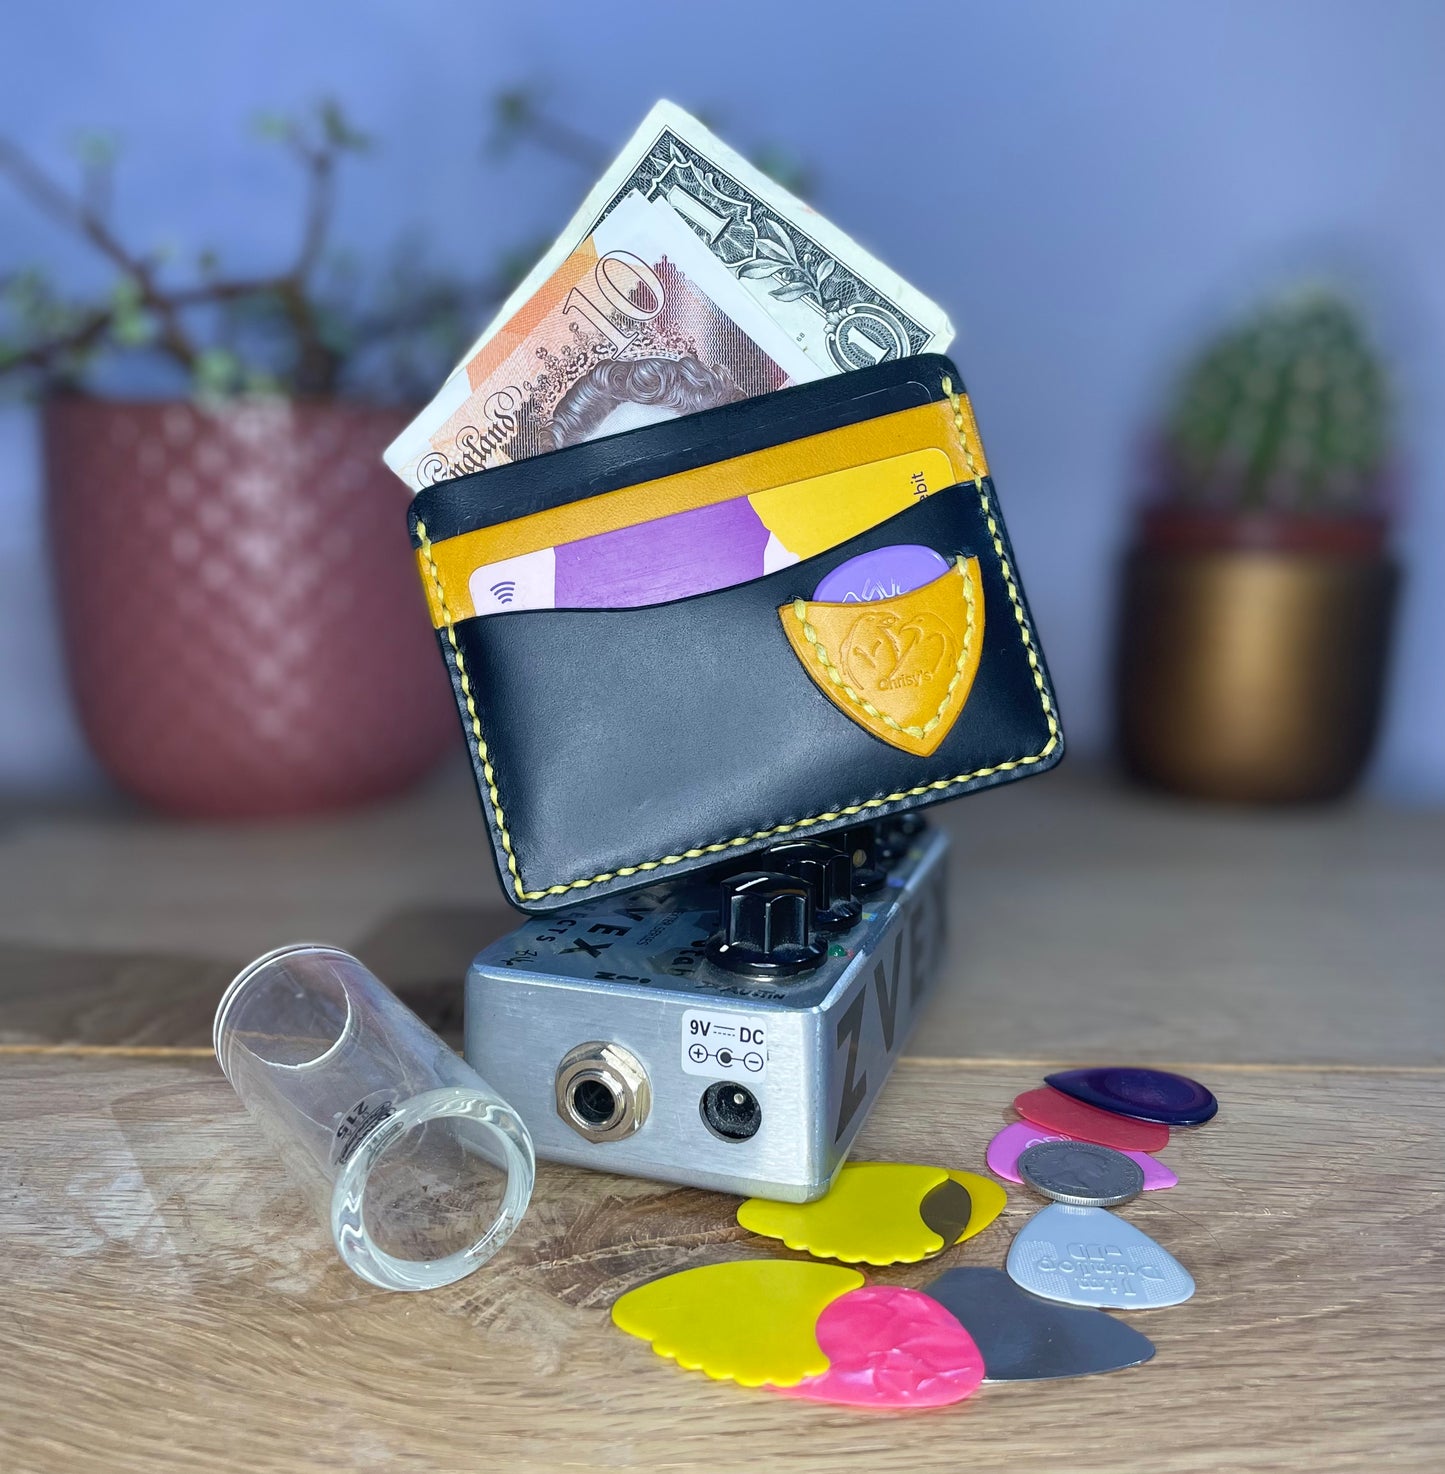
1083, 186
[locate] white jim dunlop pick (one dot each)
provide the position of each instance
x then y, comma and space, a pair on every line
1088, 1256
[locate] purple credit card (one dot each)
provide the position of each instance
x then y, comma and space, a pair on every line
881, 574
687, 553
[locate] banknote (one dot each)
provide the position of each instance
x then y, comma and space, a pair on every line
638, 323
839, 303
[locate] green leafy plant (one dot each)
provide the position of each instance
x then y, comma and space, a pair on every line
316, 327
310, 328
1286, 412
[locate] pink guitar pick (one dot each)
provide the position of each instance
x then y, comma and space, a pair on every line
1055, 1111
1009, 1145
891, 1347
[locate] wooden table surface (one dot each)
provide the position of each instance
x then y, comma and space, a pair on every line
168, 1304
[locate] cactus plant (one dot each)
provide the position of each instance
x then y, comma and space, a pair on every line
1286, 413
1258, 597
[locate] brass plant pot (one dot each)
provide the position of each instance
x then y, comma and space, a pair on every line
1252, 675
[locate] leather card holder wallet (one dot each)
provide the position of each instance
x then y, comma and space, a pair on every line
620, 746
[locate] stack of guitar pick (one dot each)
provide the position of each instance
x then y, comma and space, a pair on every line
818, 1331
1087, 1140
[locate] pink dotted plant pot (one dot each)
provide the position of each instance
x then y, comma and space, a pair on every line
242, 619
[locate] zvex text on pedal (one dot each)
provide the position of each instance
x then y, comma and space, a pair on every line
729, 1031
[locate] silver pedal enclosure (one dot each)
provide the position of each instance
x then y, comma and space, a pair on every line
625, 1049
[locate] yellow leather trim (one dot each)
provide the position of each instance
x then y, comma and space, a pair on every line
809, 517
827, 816
901, 668
447, 566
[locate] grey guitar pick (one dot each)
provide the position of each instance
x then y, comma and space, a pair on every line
946, 1209
1089, 1256
1025, 1339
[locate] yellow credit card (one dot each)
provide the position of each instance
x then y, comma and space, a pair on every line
807, 496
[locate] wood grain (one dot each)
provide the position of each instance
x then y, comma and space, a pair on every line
1088, 922
168, 1305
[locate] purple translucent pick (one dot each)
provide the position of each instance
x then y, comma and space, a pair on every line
897, 569
1144, 1095
1009, 1145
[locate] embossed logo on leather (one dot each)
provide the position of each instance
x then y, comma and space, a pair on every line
901, 668
884, 653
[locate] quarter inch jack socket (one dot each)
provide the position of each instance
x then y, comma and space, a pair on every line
602, 1091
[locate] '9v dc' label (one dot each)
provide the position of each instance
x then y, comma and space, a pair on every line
724, 1045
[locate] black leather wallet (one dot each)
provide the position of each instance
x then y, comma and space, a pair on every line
617, 746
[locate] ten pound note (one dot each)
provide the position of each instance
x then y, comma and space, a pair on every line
686, 278
639, 323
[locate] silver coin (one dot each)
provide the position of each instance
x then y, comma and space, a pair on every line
1081, 1173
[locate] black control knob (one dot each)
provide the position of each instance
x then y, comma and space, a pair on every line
896, 836
767, 927
828, 873
860, 844
891, 846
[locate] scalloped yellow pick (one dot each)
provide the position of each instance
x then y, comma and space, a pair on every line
988, 1200
869, 1216
748, 1320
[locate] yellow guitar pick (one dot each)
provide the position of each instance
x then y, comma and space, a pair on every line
869, 1216
749, 1320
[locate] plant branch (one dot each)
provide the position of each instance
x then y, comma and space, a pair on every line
518, 114
561, 138
316, 364
96, 190
380, 326
229, 332
319, 163
54, 201
214, 292
42, 355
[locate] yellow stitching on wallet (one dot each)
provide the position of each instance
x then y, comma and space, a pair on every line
957, 401
800, 610
847, 811
487, 773
1008, 578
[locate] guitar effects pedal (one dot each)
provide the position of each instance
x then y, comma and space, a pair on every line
728, 1031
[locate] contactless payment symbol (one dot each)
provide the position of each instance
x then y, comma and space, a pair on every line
528, 581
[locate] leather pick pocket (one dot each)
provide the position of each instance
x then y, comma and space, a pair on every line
903, 667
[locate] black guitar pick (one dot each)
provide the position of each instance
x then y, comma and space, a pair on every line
1026, 1339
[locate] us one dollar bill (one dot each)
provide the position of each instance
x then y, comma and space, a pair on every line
638, 323
839, 303
764, 293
